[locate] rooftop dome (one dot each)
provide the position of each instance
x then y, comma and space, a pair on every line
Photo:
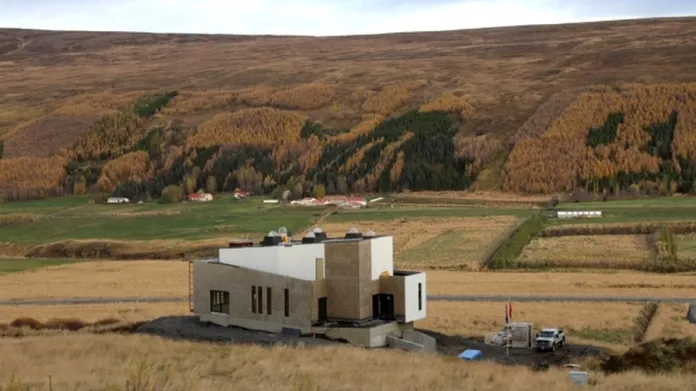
273, 233
310, 235
370, 233
353, 231
283, 231
317, 230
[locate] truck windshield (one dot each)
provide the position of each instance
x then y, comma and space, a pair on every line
546, 334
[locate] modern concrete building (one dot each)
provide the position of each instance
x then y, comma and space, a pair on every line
344, 288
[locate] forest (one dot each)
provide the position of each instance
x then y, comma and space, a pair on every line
635, 139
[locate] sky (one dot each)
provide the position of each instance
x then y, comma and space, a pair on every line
320, 17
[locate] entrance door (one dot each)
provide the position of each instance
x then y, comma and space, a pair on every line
323, 309
386, 305
375, 307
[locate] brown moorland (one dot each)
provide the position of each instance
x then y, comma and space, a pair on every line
112, 361
500, 80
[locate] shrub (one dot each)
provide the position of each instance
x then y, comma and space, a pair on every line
643, 320
30, 323
172, 194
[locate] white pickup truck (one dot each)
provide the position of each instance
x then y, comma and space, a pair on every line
550, 339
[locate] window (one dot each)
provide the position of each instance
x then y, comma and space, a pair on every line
269, 303
253, 299
287, 303
260, 291
420, 296
220, 302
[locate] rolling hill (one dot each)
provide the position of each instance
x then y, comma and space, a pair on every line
538, 109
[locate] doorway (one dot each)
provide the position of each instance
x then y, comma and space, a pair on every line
383, 306
323, 309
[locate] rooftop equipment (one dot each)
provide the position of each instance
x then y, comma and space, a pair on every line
272, 239
353, 233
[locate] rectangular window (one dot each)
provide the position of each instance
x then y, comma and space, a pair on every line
420, 297
269, 302
220, 302
260, 292
253, 299
287, 303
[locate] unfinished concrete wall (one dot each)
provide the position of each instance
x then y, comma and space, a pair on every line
238, 282
429, 343
398, 343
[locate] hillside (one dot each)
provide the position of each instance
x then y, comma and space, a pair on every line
541, 109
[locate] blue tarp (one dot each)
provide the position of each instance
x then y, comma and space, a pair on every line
470, 354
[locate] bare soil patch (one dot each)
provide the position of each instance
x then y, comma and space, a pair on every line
607, 251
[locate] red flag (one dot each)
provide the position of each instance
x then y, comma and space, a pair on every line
508, 312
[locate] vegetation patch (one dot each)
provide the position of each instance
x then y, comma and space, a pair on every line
613, 336
591, 251
643, 321
615, 229
506, 254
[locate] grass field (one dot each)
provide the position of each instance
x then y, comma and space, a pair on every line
109, 362
13, 265
434, 243
127, 312
604, 324
686, 245
670, 322
634, 211
600, 252
98, 279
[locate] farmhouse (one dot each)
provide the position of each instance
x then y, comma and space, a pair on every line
200, 197
344, 288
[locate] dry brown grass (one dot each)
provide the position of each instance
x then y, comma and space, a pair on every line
90, 313
670, 321
607, 251
618, 284
47, 135
686, 245
14, 118
98, 279
108, 361
475, 319
424, 243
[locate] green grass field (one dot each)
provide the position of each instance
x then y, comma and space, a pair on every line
635, 211
77, 219
386, 213
13, 265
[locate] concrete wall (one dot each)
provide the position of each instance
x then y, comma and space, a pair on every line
373, 337
296, 261
382, 256
238, 282
398, 343
411, 297
429, 343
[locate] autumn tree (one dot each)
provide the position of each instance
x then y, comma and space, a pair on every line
211, 184
172, 194
319, 191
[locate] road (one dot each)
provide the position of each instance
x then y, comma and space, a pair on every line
460, 298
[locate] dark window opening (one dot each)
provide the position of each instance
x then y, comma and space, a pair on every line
260, 291
420, 296
269, 303
253, 299
287, 303
220, 302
